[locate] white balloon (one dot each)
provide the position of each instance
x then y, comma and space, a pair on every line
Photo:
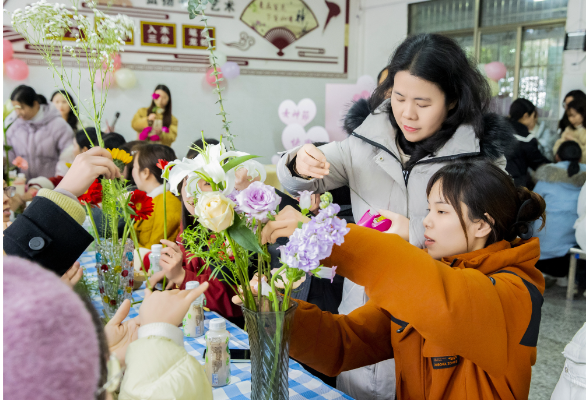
221, 58
125, 78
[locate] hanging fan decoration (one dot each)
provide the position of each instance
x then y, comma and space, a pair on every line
280, 22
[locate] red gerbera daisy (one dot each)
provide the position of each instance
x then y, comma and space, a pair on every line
93, 195
141, 204
162, 164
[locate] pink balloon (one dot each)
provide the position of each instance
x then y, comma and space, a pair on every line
109, 79
8, 51
16, 69
210, 77
117, 62
495, 70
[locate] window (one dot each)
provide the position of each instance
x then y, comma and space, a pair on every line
526, 36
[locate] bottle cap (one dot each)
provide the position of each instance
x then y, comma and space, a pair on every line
21, 175
192, 285
156, 248
217, 324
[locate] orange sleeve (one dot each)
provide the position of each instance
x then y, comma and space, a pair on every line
457, 309
335, 343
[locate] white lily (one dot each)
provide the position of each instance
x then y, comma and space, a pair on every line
182, 169
254, 169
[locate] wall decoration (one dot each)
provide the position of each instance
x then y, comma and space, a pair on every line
281, 22
296, 117
339, 97
244, 43
313, 44
158, 34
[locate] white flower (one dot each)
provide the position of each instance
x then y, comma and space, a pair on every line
325, 273
305, 200
215, 211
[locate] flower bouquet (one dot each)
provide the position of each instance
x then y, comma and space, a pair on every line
228, 238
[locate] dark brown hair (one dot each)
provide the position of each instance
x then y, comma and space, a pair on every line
580, 107
167, 114
148, 155
440, 60
490, 195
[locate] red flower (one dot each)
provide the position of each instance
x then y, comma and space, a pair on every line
141, 204
125, 273
93, 195
104, 267
162, 164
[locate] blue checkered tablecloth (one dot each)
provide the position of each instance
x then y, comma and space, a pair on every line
302, 384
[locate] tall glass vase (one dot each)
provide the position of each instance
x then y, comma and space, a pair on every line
114, 264
269, 340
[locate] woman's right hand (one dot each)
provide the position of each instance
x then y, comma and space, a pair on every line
284, 225
86, 168
171, 262
310, 161
152, 117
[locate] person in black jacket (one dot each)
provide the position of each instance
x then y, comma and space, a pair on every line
526, 153
49, 232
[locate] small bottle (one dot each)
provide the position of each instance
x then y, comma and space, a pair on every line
193, 322
20, 183
154, 262
218, 356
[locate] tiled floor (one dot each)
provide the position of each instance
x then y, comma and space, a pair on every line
560, 320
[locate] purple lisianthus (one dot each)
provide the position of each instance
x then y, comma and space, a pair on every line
257, 201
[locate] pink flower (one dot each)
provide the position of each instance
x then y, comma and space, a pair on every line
165, 129
155, 96
20, 163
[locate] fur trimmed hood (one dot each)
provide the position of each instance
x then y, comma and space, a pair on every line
498, 138
554, 174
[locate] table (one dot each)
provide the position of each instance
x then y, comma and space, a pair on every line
302, 384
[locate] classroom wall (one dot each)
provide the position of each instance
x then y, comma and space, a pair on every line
251, 101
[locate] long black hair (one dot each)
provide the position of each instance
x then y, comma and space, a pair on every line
72, 120
26, 95
188, 219
83, 138
519, 108
167, 114
439, 60
572, 152
576, 95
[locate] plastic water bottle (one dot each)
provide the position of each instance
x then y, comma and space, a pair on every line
218, 356
154, 262
193, 322
20, 183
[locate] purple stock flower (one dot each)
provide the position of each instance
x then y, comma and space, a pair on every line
315, 240
257, 201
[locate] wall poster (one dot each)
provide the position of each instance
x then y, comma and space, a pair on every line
265, 37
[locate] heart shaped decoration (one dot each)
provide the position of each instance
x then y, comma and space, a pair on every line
294, 135
301, 113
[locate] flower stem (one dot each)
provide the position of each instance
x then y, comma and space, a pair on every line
96, 235
164, 219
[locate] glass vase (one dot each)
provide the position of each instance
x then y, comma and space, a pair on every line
114, 265
269, 340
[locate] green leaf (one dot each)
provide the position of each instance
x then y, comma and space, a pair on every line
236, 161
299, 225
7, 147
243, 235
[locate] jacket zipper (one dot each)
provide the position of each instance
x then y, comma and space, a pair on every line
406, 172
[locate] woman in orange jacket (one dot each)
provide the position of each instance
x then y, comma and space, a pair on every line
461, 321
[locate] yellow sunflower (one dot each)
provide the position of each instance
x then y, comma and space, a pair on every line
121, 155
120, 158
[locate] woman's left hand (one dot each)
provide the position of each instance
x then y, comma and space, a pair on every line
285, 224
73, 275
118, 334
400, 224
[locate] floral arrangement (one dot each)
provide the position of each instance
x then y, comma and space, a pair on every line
43, 26
230, 223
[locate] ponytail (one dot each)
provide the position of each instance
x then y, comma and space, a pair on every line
572, 152
26, 95
531, 208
